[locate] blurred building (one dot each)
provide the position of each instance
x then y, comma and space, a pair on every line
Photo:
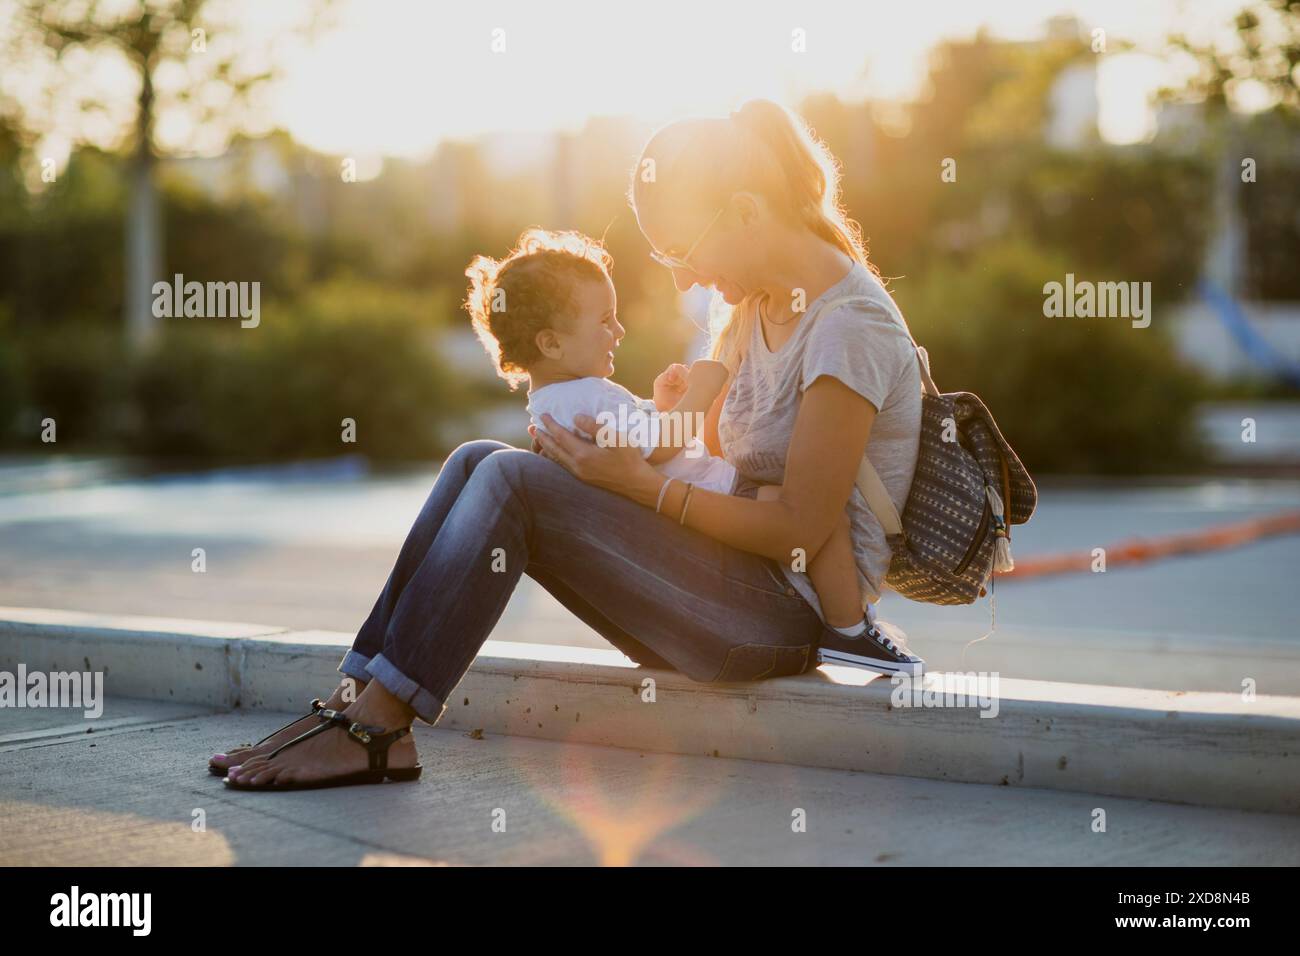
1236, 326
1074, 107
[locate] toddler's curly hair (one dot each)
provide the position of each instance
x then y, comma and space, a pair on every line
512, 299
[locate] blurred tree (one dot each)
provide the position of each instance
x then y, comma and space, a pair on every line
1073, 396
1263, 50
1127, 212
190, 61
62, 260
1247, 85
12, 192
988, 106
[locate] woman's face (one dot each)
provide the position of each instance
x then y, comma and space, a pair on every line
714, 255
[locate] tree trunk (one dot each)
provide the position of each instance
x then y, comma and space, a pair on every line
144, 230
143, 255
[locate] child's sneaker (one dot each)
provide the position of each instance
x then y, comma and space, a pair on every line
881, 648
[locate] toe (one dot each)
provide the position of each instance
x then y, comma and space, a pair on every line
263, 776
227, 760
241, 770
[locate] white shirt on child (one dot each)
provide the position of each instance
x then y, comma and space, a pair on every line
637, 418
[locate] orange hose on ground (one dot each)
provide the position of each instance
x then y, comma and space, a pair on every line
1140, 550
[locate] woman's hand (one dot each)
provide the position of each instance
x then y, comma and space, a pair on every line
670, 386
618, 466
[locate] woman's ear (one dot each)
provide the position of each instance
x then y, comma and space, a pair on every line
548, 343
748, 208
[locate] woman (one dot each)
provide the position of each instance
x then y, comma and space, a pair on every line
749, 205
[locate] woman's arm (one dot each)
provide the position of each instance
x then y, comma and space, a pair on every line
681, 423
709, 434
704, 383
830, 437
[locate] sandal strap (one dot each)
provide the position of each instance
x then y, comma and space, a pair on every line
376, 740
317, 705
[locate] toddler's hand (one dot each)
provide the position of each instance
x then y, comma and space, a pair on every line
670, 386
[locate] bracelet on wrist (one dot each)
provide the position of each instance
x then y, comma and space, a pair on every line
663, 490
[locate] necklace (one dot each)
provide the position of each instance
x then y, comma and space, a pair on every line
765, 316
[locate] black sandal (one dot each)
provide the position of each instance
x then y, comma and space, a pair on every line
316, 707
376, 740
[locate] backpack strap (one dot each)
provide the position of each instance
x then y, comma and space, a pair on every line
878, 500
927, 383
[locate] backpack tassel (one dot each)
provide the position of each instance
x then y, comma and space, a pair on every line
1002, 560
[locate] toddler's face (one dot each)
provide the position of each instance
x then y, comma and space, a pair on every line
588, 338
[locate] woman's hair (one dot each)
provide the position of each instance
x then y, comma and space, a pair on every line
510, 300
761, 148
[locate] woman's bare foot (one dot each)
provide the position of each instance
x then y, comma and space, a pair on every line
332, 753
348, 691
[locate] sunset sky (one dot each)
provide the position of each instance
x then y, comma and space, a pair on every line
394, 77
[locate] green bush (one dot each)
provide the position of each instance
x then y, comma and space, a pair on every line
1138, 212
1072, 395
281, 390
10, 391
73, 373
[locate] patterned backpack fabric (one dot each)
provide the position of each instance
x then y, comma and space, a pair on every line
969, 487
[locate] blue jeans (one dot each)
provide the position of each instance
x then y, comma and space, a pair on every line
666, 596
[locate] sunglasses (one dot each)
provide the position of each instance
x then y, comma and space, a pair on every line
673, 262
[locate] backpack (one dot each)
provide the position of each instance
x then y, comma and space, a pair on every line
966, 492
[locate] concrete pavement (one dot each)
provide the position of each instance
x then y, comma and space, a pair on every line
1235, 751
129, 794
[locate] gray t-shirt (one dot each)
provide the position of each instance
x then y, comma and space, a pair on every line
864, 344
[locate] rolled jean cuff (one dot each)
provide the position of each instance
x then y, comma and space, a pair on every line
354, 665
426, 706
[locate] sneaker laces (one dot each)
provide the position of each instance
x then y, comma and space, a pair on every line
893, 640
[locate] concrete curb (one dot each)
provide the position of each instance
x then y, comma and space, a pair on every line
1133, 659
1211, 749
